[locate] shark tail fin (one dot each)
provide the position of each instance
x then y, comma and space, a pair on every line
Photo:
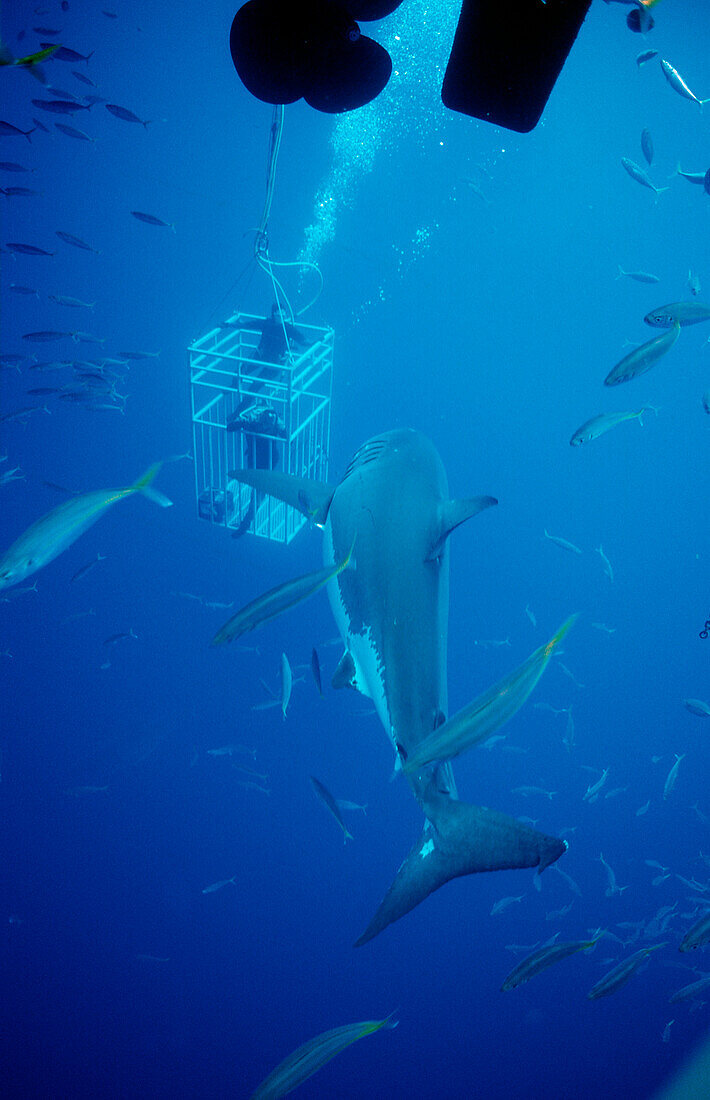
311, 498
460, 840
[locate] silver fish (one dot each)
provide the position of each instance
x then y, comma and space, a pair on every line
640, 175
599, 425
642, 358
638, 276
619, 975
678, 313
541, 959
678, 84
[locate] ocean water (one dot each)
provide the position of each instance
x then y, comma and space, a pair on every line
470, 277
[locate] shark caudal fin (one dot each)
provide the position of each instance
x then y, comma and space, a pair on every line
312, 498
460, 840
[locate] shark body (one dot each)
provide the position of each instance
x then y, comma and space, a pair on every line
392, 511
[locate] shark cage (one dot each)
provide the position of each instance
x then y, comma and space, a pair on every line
252, 414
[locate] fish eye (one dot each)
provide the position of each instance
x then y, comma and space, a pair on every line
354, 33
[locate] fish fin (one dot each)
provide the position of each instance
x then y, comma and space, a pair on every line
451, 513
465, 840
311, 498
143, 485
345, 674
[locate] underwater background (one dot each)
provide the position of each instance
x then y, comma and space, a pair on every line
470, 275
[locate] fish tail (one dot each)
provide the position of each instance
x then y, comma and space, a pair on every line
143, 485
557, 638
28, 134
621, 271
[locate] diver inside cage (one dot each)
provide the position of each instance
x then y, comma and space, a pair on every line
255, 416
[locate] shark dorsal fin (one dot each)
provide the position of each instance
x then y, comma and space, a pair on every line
451, 513
311, 498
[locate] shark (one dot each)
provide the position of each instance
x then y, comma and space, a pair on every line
392, 514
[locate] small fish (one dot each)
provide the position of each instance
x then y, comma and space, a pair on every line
12, 166
60, 106
8, 130
71, 131
83, 78
19, 192
330, 803
541, 959
64, 53
150, 219
87, 338
63, 300
643, 809
665, 1038
531, 615
607, 564
693, 278
313, 1055
125, 355
215, 886
638, 276
642, 358
345, 804
125, 114
56, 531
85, 568
27, 250
678, 84
647, 146
672, 776
691, 177
113, 638
273, 602
706, 401
613, 888
594, 788
640, 175
603, 627
677, 313
619, 975
26, 290
488, 713
644, 56
315, 669
45, 337
599, 425
231, 750
533, 790
698, 935
690, 992
697, 707
286, 684
250, 785
500, 906
568, 879
69, 238
563, 543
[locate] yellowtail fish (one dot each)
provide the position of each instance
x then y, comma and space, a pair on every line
313, 1055
276, 600
678, 84
488, 713
619, 975
698, 707
55, 532
642, 358
541, 959
690, 992
599, 425
640, 175
678, 313
563, 543
330, 803
698, 935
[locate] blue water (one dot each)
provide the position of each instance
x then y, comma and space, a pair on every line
488, 323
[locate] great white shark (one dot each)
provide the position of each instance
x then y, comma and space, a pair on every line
392, 513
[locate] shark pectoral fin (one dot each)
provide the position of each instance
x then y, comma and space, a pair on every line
464, 840
452, 513
344, 675
311, 498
